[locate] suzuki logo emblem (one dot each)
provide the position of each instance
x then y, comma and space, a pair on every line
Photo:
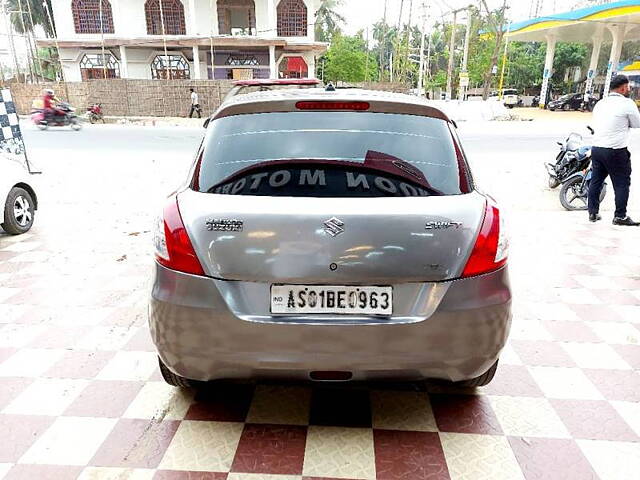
334, 226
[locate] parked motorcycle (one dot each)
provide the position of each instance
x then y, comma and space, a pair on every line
43, 121
575, 191
94, 113
574, 156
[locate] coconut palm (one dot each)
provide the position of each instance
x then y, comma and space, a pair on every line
328, 20
31, 15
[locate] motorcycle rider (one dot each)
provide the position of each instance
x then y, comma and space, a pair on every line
49, 104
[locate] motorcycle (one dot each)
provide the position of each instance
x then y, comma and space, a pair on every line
94, 113
573, 157
575, 191
44, 121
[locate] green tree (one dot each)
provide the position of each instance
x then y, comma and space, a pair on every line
525, 65
21, 18
328, 20
568, 55
348, 60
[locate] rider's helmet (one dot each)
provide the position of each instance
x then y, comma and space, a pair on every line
48, 92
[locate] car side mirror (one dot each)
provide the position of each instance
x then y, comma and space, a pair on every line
206, 122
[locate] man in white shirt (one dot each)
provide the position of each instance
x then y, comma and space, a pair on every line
195, 104
612, 118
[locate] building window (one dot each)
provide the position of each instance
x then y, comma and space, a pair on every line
292, 18
96, 66
172, 14
242, 61
88, 17
236, 17
293, 67
170, 67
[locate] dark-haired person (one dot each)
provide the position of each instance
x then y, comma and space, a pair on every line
195, 104
613, 116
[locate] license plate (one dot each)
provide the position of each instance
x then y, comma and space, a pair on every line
346, 300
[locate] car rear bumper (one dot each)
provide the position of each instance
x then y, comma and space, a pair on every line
199, 337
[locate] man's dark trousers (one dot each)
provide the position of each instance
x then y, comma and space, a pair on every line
615, 163
195, 108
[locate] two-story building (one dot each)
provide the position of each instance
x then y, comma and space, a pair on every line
196, 39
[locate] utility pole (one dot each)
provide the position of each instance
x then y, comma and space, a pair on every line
504, 62
383, 42
465, 56
26, 39
366, 65
12, 46
422, 35
452, 52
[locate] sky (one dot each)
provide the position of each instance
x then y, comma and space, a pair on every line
362, 13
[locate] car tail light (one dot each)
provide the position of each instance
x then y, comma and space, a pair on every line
491, 248
172, 243
322, 105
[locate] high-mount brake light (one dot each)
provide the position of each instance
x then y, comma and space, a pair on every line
173, 246
491, 248
324, 105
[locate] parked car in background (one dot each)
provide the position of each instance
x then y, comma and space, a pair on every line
18, 199
510, 98
330, 235
571, 101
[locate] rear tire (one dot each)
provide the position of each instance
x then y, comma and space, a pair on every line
75, 124
173, 379
480, 381
569, 189
566, 107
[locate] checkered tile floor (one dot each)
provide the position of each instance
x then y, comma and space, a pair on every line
81, 395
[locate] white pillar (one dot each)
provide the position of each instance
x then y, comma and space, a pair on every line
593, 65
311, 65
273, 72
197, 75
193, 25
124, 62
617, 32
272, 18
548, 69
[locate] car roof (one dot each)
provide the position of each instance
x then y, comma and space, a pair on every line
277, 81
285, 101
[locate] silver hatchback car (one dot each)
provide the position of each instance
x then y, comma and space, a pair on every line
330, 236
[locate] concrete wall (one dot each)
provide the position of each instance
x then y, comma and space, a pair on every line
160, 98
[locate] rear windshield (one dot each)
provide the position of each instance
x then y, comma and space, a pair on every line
330, 154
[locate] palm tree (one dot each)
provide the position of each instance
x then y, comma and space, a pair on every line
328, 20
32, 14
